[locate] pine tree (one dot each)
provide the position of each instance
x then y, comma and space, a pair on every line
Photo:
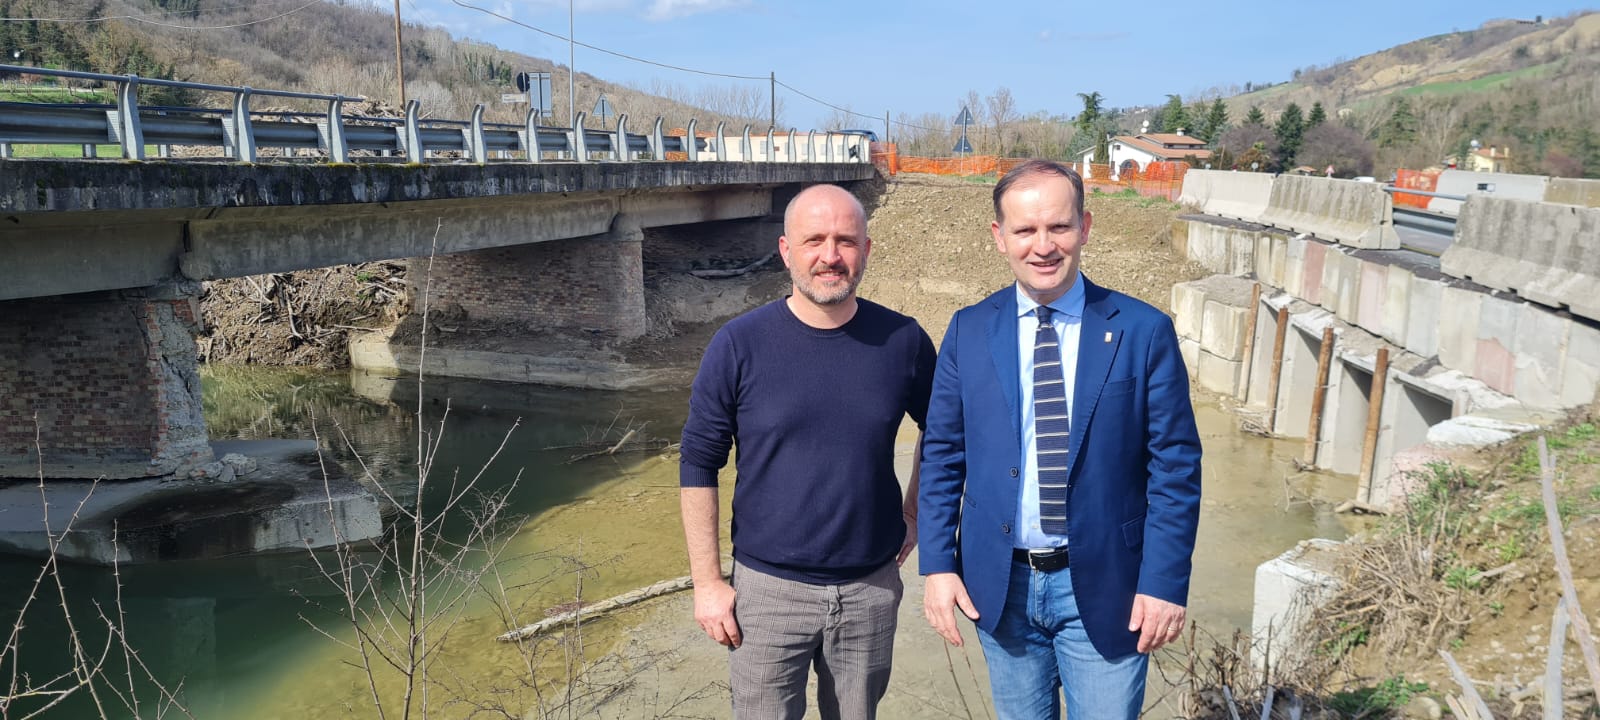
1255, 117
1401, 127
1290, 131
1216, 121
1175, 116
1317, 116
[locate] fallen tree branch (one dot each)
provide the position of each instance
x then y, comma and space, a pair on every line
1558, 547
746, 270
584, 612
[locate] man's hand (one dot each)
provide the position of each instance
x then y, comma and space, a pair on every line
1158, 622
713, 609
942, 594
911, 540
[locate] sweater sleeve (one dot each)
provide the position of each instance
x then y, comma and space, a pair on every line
708, 433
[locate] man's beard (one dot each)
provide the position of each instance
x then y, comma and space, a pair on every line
828, 296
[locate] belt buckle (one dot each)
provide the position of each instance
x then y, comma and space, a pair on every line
1047, 560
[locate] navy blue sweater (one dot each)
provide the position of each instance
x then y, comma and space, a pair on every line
814, 413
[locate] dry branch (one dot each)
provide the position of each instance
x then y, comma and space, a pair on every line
746, 270
1558, 547
584, 612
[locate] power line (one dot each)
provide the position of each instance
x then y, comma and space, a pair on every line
846, 110
608, 52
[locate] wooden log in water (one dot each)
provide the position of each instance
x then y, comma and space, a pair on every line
584, 612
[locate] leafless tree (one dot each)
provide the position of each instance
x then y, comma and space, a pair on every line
1002, 110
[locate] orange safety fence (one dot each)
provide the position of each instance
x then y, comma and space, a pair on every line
1425, 180
1158, 179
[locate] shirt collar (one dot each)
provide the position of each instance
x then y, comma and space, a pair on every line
1069, 304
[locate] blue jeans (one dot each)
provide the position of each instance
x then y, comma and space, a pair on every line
1040, 645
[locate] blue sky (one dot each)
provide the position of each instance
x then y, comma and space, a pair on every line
915, 57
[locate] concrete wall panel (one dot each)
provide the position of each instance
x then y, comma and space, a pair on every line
1541, 251
1294, 267
1495, 363
1316, 255
1458, 329
1373, 297
1237, 195
1501, 185
1540, 344
1358, 214
1580, 371
1573, 191
1423, 315
1396, 311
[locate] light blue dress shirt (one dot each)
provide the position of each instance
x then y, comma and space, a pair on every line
1068, 320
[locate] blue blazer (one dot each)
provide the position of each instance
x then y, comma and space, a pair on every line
1133, 466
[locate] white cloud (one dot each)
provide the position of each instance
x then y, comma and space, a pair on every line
1044, 36
670, 9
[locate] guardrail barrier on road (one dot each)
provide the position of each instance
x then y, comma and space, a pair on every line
335, 137
1534, 249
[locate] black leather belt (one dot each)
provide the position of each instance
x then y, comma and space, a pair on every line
1041, 560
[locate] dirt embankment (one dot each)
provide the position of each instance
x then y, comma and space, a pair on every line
301, 318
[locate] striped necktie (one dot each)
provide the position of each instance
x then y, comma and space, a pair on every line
1050, 426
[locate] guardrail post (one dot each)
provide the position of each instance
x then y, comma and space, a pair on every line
658, 142
722, 141
129, 134
5, 151
413, 133
793, 153
90, 150
690, 148
333, 132
811, 145
620, 144
772, 150
529, 136
827, 147
746, 152
475, 144
580, 141
244, 139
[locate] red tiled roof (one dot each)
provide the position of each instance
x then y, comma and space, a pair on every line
1172, 139
1141, 144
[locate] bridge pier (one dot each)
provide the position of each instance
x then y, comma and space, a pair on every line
593, 283
102, 385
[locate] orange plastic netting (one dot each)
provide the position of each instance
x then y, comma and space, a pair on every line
1158, 179
1425, 180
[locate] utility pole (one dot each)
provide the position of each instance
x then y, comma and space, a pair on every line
399, 56
772, 96
572, 70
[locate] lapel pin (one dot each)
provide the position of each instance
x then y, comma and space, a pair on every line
1108, 336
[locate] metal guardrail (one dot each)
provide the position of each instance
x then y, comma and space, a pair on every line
242, 132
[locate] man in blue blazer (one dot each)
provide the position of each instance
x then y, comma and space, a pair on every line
1060, 470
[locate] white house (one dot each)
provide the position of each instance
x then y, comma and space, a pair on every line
1138, 151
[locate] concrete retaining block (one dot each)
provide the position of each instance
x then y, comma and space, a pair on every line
1219, 374
1476, 431
1458, 329
1358, 214
1179, 237
1572, 191
1207, 247
1270, 259
1349, 296
1501, 185
1287, 588
1222, 329
1540, 343
1333, 272
1188, 305
1532, 248
1190, 350
1426, 298
1237, 195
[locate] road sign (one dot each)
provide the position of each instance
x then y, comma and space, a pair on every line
965, 118
537, 86
602, 107
513, 97
962, 146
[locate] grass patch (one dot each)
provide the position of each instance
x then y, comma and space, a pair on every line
1391, 694
1478, 85
980, 179
48, 94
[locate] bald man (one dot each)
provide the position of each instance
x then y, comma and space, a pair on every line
812, 388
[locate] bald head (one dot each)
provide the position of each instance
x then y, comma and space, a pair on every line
824, 195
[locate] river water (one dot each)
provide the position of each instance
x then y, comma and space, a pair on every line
244, 636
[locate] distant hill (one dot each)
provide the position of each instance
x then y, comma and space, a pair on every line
329, 47
1531, 85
